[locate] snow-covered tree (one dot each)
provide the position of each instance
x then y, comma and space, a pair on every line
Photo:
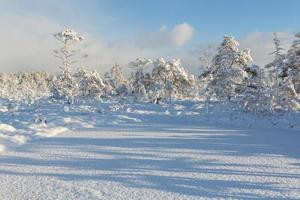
65, 86
25, 86
67, 37
10, 86
137, 78
227, 73
255, 96
283, 77
118, 81
109, 90
273, 70
278, 52
171, 79
289, 84
90, 84
292, 66
207, 54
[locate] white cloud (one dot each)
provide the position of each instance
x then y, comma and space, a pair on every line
179, 35
261, 45
26, 42
103, 55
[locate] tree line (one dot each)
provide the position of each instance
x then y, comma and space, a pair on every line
228, 76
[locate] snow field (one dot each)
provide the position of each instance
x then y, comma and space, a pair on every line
150, 161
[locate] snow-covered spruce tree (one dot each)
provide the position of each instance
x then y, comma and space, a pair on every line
65, 86
289, 78
171, 79
137, 78
227, 73
90, 84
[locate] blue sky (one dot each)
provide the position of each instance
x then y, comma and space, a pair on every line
151, 24
211, 18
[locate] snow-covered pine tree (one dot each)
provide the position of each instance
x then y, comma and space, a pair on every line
67, 37
227, 73
207, 54
171, 79
33, 85
9, 86
279, 55
42, 82
289, 84
137, 78
109, 90
118, 81
90, 84
255, 95
148, 83
25, 86
3, 85
273, 70
293, 63
160, 75
65, 85
183, 82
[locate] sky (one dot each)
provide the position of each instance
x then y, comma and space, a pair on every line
122, 30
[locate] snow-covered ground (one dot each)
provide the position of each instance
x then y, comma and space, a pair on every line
144, 151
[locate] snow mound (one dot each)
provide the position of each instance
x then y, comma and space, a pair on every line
73, 122
128, 119
46, 131
9, 135
143, 112
6, 128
